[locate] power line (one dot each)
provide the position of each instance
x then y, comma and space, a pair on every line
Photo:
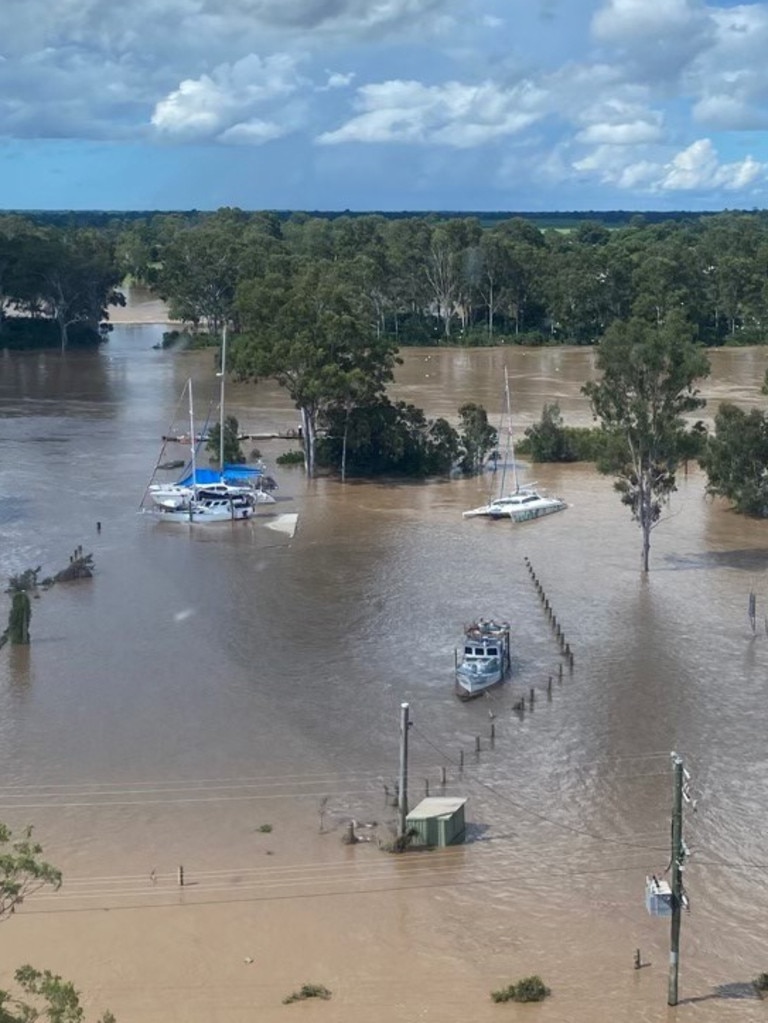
534, 813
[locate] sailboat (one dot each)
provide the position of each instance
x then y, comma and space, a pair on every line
204, 495
524, 502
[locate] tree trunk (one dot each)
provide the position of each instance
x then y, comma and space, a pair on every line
308, 430
646, 525
19, 618
344, 448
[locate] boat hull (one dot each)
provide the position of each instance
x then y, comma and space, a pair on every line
485, 660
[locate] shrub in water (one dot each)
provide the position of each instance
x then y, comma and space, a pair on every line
308, 991
529, 989
290, 458
761, 982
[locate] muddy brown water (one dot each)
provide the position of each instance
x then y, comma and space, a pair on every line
226, 699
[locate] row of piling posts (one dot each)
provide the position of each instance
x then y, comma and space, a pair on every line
565, 647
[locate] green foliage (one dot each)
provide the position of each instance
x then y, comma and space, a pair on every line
548, 440
761, 982
736, 459
233, 453
308, 991
388, 438
290, 458
54, 999
646, 387
310, 328
477, 438
22, 871
529, 989
19, 618
25, 581
265, 829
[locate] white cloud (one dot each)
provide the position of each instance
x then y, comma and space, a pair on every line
251, 133
696, 168
656, 38
220, 102
452, 114
630, 133
337, 80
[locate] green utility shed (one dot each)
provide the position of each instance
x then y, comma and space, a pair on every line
437, 820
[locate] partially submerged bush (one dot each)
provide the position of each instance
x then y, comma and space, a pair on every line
290, 458
761, 982
308, 991
529, 989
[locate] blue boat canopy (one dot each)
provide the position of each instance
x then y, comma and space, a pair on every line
232, 474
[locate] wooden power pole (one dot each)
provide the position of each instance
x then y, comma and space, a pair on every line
678, 855
402, 788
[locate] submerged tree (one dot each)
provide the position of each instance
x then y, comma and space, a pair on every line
19, 618
233, 453
736, 459
647, 385
477, 437
548, 440
310, 329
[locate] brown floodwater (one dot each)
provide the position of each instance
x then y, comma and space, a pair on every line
215, 682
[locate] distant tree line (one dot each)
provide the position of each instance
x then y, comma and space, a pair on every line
55, 284
434, 280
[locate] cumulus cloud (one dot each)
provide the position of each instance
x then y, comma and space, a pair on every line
452, 114
337, 80
697, 168
657, 38
221, 104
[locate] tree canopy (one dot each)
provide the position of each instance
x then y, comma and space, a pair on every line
646, 388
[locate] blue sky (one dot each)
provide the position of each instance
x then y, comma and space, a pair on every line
383, 104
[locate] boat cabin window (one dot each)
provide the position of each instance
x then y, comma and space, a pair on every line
469, 650
492, 651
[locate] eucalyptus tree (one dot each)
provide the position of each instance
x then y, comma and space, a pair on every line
311, 330
646, 388
735, 459
477, 437
407, 246
71, 276
201, 267
23, 871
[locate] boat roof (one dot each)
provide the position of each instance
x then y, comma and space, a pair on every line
231, 474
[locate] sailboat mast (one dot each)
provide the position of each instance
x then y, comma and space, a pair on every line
192, 438
508, 416
510, 443
221, 398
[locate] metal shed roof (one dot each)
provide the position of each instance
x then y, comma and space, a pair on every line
436, 806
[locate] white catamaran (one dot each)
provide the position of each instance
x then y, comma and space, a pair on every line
524, 502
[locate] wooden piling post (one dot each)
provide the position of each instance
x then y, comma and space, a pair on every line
181, 877
461, 759
443, 776
549, 688
532, 696
477, 744
570, 661
426, 787
493, 731
560, 672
